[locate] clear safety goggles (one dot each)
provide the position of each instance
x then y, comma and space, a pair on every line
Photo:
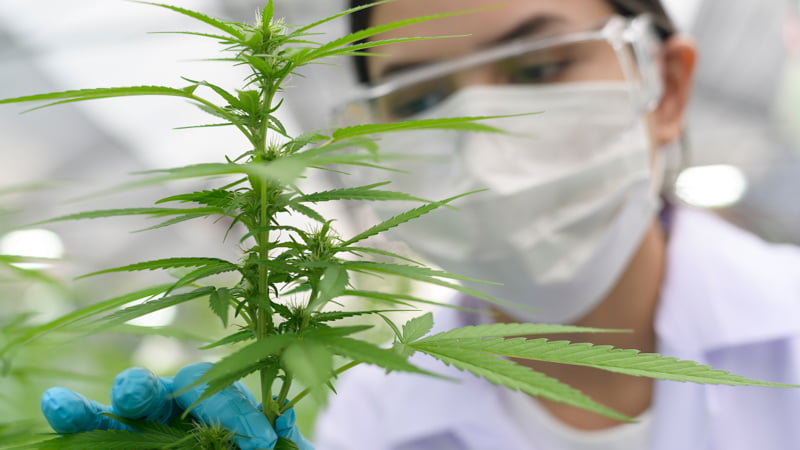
526, 61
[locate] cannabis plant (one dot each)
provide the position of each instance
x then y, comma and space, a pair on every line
294, 284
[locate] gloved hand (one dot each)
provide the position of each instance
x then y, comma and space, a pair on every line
139, 394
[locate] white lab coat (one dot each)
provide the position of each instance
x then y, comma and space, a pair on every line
729, 300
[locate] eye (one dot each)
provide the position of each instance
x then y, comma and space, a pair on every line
418, 104
541, 72
414, 99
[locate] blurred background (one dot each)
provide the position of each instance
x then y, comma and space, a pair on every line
742, 156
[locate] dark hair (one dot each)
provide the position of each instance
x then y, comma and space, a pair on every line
628, 8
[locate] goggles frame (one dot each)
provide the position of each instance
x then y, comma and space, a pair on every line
634, 41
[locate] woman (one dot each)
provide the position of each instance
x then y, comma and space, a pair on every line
574, 232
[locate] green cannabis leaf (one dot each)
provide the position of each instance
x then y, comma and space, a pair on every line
629, 362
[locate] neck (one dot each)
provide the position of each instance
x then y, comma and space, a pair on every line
631, 305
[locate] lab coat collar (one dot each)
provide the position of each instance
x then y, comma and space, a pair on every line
724, 287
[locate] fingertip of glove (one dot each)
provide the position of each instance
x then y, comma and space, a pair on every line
137, 391
66, 411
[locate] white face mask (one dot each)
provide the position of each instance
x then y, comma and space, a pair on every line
570, 194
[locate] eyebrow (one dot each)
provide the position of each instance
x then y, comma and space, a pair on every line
539, 24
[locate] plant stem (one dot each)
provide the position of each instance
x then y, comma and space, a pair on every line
287, 383
265, 326
264, 322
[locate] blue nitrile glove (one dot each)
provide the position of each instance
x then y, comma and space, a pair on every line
139, 394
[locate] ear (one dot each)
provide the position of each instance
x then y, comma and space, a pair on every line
679, 57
